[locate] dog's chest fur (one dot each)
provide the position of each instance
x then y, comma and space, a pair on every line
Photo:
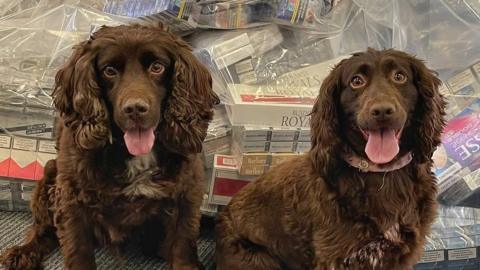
139, 177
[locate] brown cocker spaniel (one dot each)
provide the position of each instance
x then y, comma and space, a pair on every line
364, 196
135, 106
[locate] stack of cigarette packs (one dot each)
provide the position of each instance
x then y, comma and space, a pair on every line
457, 159
454, 242
22, 163
257, 149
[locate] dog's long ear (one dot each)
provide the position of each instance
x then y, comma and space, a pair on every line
189, 106
78, 98
324, 123
430, 112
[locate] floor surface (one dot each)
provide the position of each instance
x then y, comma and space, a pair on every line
13, 226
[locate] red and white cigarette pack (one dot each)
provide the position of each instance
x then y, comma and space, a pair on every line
5, 151
226, 180
23, 158
46, 152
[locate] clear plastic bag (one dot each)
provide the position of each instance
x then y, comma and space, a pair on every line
453, 240
447, 35
15, 6
269, 76
221, 14
177, 14
272, 71
34, 43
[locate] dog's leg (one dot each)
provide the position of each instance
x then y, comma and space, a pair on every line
181, 241
235, 252
76, 238
74, 229
182, 227
41, 239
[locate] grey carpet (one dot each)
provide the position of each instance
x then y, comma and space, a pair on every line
13, 226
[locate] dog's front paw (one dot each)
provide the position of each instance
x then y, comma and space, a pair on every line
21, 258
374, 255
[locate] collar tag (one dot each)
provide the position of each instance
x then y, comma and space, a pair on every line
366, 165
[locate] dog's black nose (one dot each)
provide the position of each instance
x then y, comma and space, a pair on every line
135, 107
382, 111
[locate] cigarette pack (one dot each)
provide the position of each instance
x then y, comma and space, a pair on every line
462, 90
5, 152
226, 181
259, 163
46, 152
253, 139
214, 146
23, 158
281, 147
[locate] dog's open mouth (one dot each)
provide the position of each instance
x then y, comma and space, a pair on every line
139, 141
382, 144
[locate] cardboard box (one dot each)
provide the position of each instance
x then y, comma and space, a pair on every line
303, 147
283, 135
5, 152
281, 147
226, 180
46, 152
251, 147
270, 115
23, 158
304, 135
278, 158
463, 258
432, 260
258, 163
251, 134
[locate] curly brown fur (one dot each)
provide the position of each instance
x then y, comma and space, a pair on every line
318, 212
99, 189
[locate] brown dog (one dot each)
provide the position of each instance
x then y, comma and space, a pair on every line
135, 106
364, 196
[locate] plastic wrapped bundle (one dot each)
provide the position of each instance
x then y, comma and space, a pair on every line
177, 14
446, 34
270, 76
218, 140
454, 240
30, 55
221, 14
306, 13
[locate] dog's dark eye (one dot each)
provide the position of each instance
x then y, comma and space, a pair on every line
110, 71
357, 82
156, 67
399, 77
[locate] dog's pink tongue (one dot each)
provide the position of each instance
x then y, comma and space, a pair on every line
139, 141
382, 146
